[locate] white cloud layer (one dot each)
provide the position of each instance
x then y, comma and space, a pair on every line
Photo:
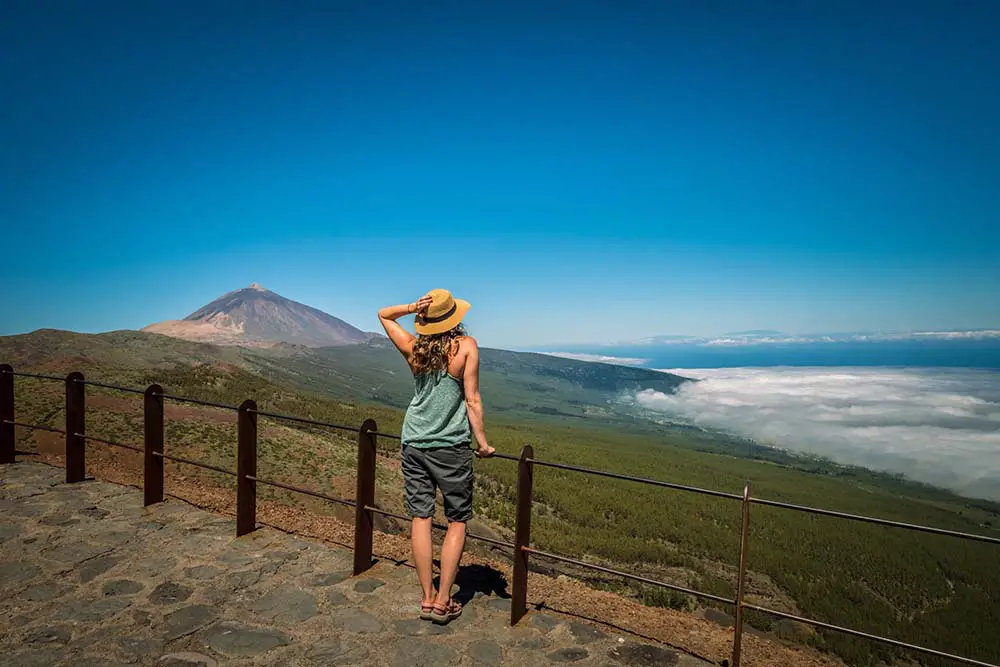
935, 426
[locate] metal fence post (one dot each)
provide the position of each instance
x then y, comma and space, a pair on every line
522, 536
152, 415
76, 424
7, 446
365, 496
741, 578
246, 468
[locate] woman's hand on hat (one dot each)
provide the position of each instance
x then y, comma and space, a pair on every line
422, 304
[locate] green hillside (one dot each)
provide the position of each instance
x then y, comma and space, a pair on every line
925, 589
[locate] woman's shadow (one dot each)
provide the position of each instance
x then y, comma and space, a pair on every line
476, 581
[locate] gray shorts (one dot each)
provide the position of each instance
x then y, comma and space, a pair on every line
445, 468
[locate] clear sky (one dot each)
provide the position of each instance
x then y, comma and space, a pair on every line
580, 171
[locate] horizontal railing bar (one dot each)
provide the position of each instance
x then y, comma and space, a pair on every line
490, 540
36, 427
38, 376
635, 577
104, 385
393, 515
506, 457
641, 480
308, 492
19, 452
385, 435
109, 442
881, 522
865, 635
197, 401
302, 420
434, 524
197, 464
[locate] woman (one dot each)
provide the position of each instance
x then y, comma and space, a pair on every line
444, 415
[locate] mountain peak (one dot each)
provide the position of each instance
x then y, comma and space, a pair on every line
255, 316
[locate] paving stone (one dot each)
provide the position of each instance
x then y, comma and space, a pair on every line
422, 654
122, 587
416, 627
337, 651
237, 640
94, 512
142, 618
499, 604
49, 635
30, 509
139, 648
289, 605
95, 661
235, 559
336, 599
76, 552
186, 659
9, 532
244, 579
17, 572
571, 654
328, 578
38, 656
544, 622
203, 572
584, 633
186, 620
169, 593
535, 643
644, 655
93, 611
47, 591
58, 520
95, 567
485, 652
355, 620
368, 585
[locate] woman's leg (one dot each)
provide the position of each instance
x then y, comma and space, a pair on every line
423, 557
419, 488
451, 554
453, 472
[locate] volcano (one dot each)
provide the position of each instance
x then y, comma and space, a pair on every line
255, 317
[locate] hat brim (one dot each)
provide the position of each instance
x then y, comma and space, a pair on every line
429, 329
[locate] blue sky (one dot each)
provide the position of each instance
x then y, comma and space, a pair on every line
580, 171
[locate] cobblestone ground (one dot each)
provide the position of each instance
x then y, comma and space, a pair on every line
90, 578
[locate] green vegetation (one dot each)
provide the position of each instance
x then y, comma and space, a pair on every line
932, 590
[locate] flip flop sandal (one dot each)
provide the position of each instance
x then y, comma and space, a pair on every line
444, 615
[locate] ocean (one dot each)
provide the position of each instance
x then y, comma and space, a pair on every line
920, 354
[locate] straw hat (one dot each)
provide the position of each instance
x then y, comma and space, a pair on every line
444, 313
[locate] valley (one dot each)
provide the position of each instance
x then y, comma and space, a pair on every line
920, 588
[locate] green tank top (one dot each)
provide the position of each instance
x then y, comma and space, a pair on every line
437, 416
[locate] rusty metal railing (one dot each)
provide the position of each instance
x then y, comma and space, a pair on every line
364, 502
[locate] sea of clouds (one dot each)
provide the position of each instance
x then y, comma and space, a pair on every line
936, 426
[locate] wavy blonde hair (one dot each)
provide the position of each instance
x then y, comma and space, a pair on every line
433, 352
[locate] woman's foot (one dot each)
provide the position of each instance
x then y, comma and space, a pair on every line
445, 613
427, 609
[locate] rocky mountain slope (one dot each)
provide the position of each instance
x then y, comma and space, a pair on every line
257, 317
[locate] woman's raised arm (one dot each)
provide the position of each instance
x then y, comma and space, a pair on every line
400, 337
